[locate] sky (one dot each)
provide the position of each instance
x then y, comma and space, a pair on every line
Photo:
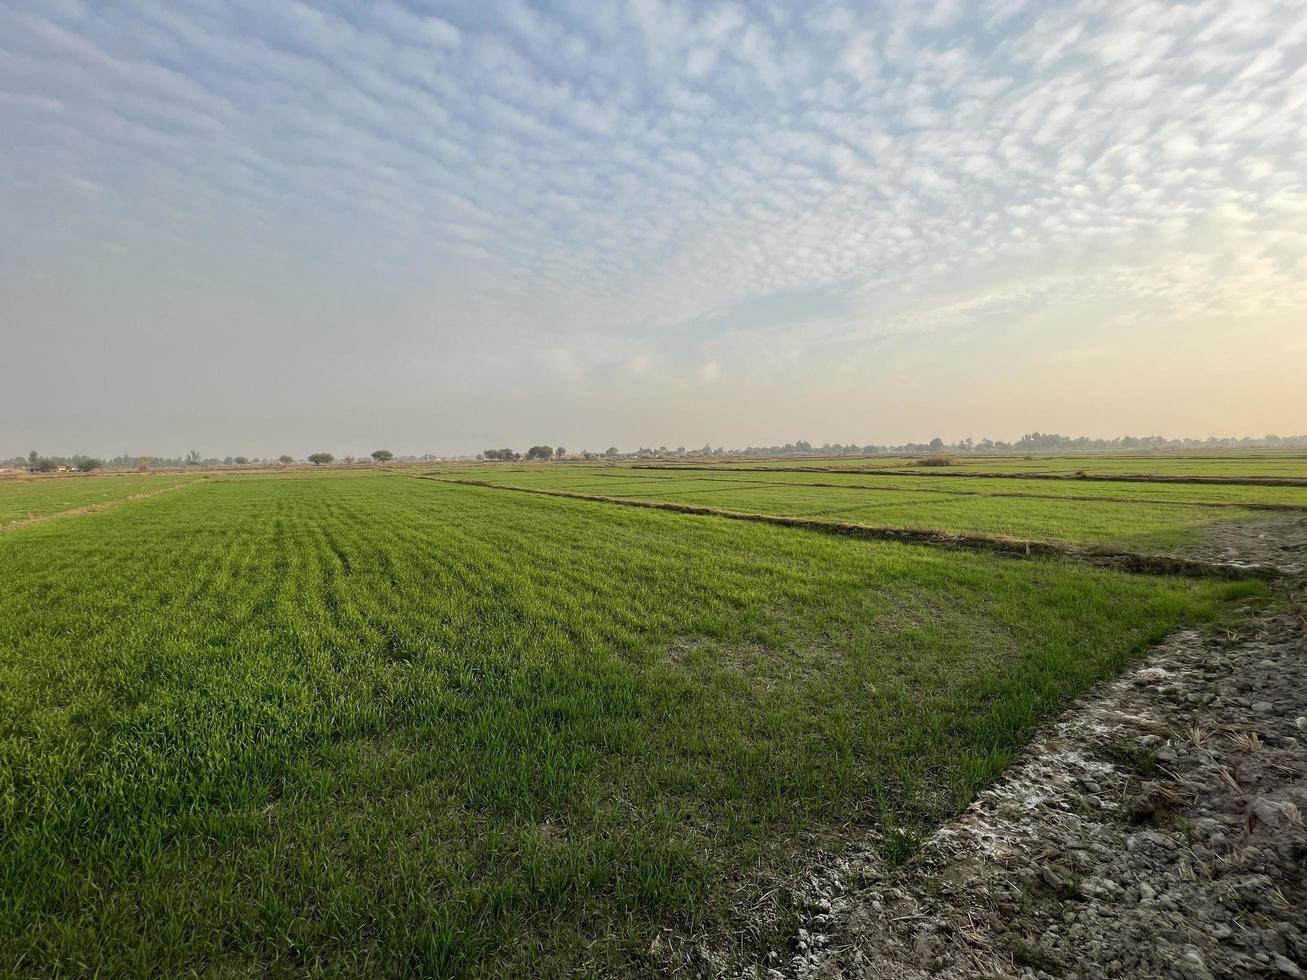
251, 228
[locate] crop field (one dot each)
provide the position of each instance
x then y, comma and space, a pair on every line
1263, 463
380, 723
599, 479
25, 498
1140, 516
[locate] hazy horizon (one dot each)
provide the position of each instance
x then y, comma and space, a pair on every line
252, 229
1292, 442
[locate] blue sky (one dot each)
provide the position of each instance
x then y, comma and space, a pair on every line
251, 227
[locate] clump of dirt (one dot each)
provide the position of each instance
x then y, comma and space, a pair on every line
1157, 830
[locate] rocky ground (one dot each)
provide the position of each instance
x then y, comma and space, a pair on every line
1156, 830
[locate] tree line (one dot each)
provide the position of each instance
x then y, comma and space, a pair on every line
536, 453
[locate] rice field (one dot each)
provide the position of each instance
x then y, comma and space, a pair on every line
365, 723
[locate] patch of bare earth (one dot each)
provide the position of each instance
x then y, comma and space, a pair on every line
1156, 830
1280, 542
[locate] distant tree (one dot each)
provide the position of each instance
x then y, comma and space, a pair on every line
285, 460
317, 459
32, 457
382, 455
193, 458
89, 464
936, 444
560, 452
540, 452
42, 464
611, 451
242, 460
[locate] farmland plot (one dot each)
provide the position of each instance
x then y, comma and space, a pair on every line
27, 498
386, 725
1144, 517
1292, 464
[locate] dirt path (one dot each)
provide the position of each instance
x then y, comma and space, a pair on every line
95, 508
1156, 830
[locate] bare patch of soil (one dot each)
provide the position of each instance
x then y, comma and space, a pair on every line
1279, 542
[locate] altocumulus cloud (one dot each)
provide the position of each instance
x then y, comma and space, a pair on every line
648, 193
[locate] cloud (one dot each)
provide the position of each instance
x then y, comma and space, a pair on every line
591, 186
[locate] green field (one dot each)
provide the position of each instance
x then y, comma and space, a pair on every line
326, 723
1261, 463
24, 498
1135, 516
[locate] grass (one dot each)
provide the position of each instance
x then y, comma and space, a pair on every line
25, 497
386, 726
1259, 463
1162, 519
1016, 486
